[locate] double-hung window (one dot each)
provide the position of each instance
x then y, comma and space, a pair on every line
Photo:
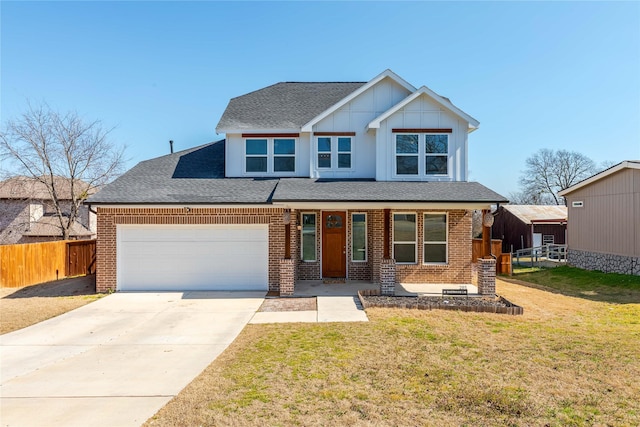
404, 238
436, 154
270, 155
358, 237
435, 238
334, 152
308, 237
433, 149
256, 155
407, 154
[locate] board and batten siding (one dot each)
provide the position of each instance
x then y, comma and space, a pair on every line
422, 113
354, 117
609, 221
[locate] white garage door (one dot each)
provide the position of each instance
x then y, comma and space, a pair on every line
192, 257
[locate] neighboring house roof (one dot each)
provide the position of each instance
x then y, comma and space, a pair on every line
631, 164
287, 105
49, 226
193, 176
196, 176
442, 101
538, 213
23, 187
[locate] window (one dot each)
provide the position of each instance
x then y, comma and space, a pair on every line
432, 148
308, 237
284, 155
435, 238
436, 148
548, 239
324, 152
344, 153
407, 154
359, 237
277, 155
404, 238
256, 155
331, 148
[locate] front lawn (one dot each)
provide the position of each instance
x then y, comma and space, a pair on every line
22, 307
566, 362
593, 285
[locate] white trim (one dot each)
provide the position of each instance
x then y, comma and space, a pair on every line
183, 205
446, 242
315, 242
366, 236
473, 123
338, 205
387, 73
393, 238
622, 165
257, 130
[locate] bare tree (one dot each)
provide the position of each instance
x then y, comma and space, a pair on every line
548, 172
69, 156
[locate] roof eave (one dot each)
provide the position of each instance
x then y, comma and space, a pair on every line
613, 169
424, 90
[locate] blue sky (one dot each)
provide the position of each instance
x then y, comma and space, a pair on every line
536, 75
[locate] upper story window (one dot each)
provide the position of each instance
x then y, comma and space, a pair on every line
270, 155
432, 148
334, 152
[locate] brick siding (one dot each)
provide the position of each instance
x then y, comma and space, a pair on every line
457, 270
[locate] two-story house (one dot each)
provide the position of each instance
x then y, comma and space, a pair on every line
355, 181
28, 212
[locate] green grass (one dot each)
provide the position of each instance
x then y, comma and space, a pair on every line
593, 285
565, 362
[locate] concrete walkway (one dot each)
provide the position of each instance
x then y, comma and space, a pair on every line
117, 361
329, 309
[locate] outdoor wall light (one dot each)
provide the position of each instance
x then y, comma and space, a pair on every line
187, 209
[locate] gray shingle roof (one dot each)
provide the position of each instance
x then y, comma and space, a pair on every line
196, 176
193, 176
319, 190
287, 105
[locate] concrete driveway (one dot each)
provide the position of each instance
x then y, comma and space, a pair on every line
116, 361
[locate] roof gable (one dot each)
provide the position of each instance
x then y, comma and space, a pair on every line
440, 100
630, 164
308, 127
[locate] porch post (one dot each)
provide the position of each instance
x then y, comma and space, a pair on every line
486, 236
388, 264
287, 265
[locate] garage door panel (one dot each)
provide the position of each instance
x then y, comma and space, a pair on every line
193, 257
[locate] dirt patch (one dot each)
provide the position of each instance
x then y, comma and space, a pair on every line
289, 304
22, 307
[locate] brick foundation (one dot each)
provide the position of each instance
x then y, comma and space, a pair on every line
487, 277
388, 277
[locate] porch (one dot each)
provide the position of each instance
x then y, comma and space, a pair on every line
311, 288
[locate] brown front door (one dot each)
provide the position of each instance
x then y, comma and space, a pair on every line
334, 244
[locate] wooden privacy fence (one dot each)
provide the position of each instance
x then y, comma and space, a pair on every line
31, 263
503, 261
